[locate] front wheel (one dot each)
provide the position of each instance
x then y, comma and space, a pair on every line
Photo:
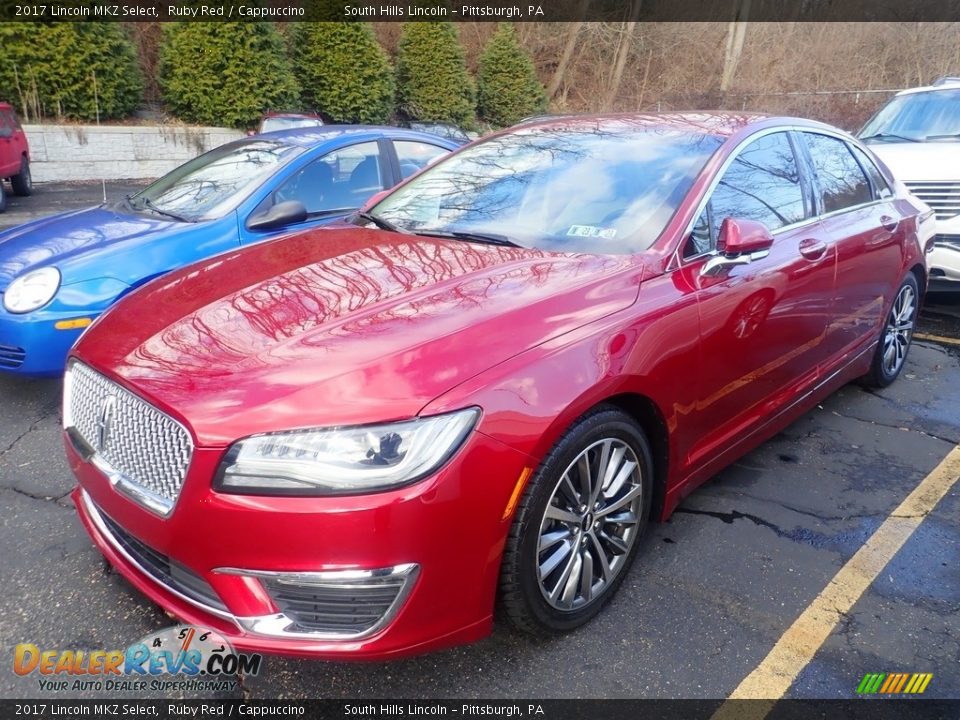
23, 183
578, 526
896, 336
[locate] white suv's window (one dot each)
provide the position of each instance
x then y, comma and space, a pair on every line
918, 117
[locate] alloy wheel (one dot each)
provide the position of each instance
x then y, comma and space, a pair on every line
591, 522
896, 338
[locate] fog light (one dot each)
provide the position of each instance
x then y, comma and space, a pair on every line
339, 605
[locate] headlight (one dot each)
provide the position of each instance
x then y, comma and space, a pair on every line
338, 461
32, 290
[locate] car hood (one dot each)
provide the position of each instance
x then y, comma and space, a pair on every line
911, 162
58, 239
341, 326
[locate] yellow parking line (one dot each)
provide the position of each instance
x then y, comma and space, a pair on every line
797, 646
936, 338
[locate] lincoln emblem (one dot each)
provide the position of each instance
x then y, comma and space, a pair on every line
108, 409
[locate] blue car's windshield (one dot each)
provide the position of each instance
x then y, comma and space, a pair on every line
918, 117
210, 186
598, 188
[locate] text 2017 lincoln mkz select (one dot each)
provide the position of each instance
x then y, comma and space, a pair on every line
357, 441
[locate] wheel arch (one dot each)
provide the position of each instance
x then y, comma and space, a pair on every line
920, 273
648, 415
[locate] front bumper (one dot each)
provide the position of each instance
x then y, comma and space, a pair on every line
944, 262
31, 345
444, 535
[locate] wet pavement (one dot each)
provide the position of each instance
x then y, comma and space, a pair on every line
711, 593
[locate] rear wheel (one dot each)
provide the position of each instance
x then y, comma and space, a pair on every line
23, 183
578, 526
896, 336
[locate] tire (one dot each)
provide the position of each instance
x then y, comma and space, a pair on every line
896, 336
3, 197
23, 183
547, 606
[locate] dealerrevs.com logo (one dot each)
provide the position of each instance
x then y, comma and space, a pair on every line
179, 658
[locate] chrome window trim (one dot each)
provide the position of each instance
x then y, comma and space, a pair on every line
677, 260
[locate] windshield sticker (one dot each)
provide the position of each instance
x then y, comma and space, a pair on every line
591, 231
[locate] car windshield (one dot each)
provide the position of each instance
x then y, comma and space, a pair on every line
596, 188
919, 117
210, 186
288, 123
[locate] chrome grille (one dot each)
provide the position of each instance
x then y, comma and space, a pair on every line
143, 451
952, 241
942, 196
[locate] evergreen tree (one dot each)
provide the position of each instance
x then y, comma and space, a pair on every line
509, 89
77, 70
343, 72
432, 80
225, 73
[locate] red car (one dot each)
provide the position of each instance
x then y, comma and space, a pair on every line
14, 155
354, 442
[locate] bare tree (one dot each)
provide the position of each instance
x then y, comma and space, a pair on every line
624, 46
736, 34
568, 47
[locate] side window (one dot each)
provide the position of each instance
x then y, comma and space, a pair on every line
11, 117
340, 180
413, 156
762, 184
841, 180
881, 188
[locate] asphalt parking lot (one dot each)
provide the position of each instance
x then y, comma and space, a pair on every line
712, 592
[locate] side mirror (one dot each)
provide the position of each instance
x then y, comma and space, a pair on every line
285, 213
740, 242
374, 199
743, 236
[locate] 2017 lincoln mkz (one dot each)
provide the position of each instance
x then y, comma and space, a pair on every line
358, 441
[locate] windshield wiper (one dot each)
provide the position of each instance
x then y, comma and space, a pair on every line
487, 238
160, 211
380, 222
945, 136
889, 136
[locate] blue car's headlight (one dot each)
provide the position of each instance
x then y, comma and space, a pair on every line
32, 290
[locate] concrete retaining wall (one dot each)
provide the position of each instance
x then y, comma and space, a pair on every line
92, 152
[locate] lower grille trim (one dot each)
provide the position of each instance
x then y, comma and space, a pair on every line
276, 625
100, 522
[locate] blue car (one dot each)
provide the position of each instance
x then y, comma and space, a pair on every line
59, 273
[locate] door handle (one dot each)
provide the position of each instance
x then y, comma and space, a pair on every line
812, 249
889, 223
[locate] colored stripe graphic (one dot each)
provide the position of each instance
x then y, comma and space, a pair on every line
894, 683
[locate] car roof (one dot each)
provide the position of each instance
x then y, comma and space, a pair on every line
946, 83
719, 124
313, 136
292, 114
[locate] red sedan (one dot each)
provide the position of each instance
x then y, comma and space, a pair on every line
355, 442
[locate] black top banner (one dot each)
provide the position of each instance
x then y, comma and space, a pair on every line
482, 11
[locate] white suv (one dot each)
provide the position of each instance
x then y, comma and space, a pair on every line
917, 134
